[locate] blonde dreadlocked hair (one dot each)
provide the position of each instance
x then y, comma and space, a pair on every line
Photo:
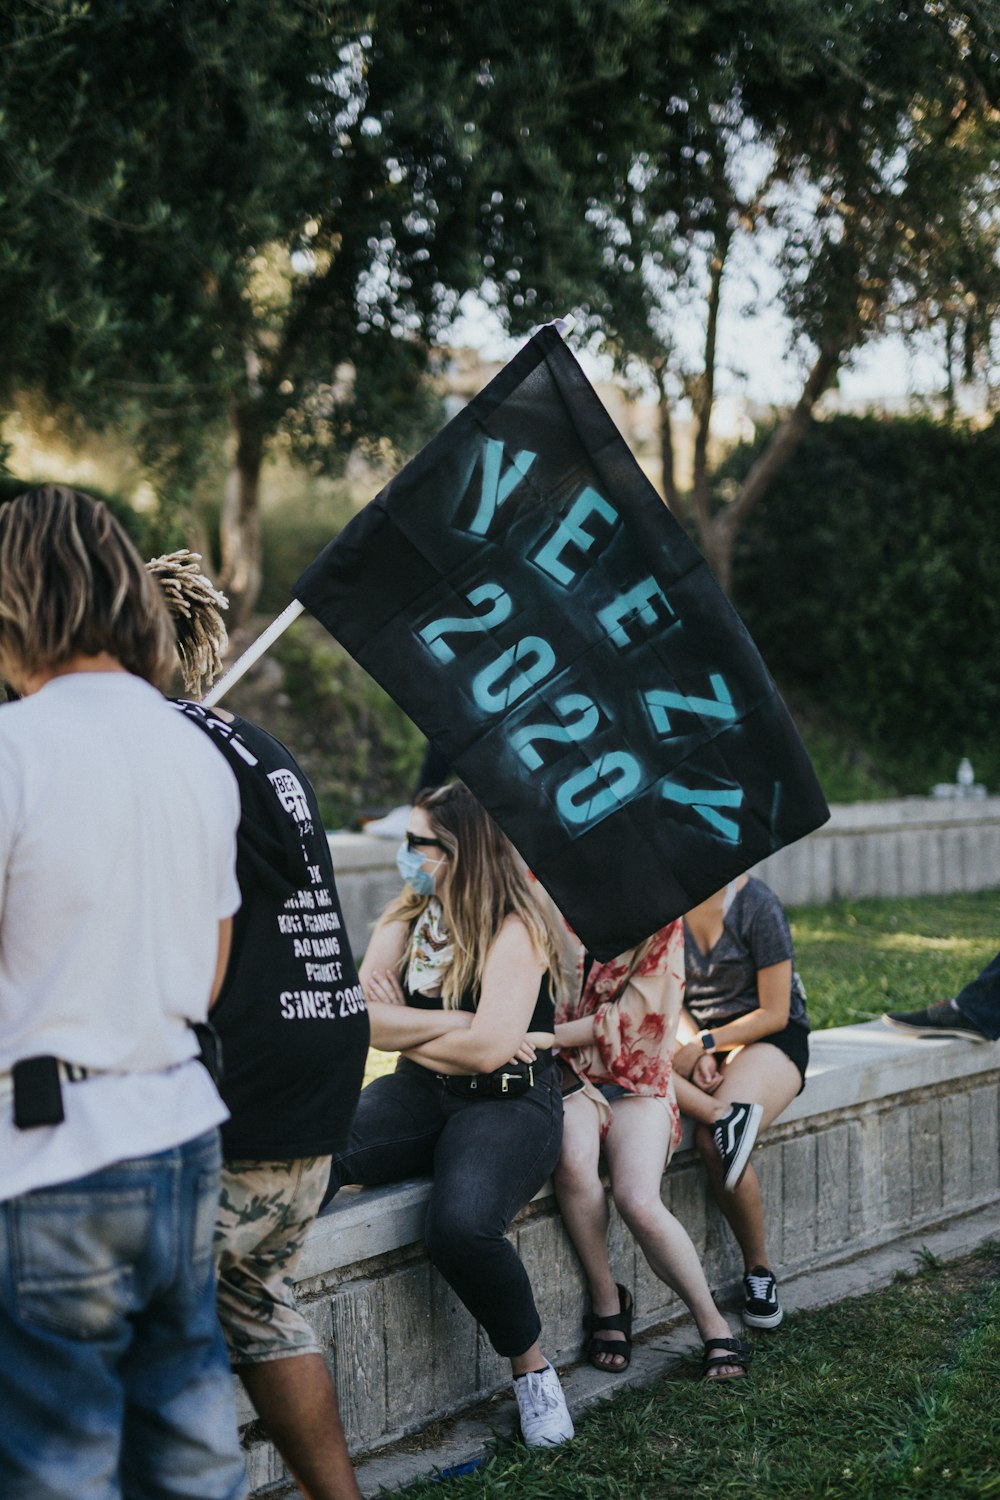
195, 606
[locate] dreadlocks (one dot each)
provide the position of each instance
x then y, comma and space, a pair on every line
195, 606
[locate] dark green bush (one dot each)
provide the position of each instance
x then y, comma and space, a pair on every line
870, 578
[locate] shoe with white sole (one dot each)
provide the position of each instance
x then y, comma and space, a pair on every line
734, 1136
761, 1308
545, 1418
943, 1018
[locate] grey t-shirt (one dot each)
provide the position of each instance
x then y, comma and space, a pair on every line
722, 984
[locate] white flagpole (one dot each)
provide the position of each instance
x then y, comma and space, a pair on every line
253, 653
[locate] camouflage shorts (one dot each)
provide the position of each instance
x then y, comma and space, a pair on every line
265, 1209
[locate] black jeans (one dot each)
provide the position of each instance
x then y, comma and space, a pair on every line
488, 1158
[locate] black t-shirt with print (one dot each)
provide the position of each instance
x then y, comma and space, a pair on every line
291, 1013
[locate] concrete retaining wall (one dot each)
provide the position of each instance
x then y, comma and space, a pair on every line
916, 846
890, 1135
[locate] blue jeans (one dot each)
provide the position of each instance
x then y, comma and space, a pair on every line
489, 1157
979, 1001
114, 1379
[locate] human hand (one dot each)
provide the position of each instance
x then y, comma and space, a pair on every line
384, 987
706, 1074
525, 1053
686, 1058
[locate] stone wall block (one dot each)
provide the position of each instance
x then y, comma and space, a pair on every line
951, 861
956, 1149
985, 1138
799, 1170
767, 1159
887, 877
914, 876
685, 1194
264, 1467
925, 1154
931, 863
317, 1315
455, 1344
865, 1157
358, 1320
567, 1299
833, 1187
411, 1351
897, 1184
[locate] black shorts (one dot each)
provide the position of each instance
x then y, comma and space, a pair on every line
794, 1043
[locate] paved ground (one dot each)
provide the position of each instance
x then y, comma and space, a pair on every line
466, 1438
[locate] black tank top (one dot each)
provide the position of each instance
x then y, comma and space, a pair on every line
543, 1017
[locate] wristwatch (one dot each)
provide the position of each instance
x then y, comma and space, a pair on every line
707, 1041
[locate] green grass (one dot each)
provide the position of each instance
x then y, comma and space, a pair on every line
859, 958
894, 1394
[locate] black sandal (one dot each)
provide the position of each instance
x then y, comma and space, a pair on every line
619, 1322
736, 1352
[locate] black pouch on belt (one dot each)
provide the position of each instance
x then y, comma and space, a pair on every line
37, 1092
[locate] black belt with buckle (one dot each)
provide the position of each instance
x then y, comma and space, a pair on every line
508, 1082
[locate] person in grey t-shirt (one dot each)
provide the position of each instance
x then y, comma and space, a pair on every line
744, 1036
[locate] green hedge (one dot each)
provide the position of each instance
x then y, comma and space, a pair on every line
870, 578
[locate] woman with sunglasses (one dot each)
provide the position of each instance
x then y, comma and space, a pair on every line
460, 976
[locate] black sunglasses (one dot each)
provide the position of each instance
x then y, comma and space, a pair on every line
414, 841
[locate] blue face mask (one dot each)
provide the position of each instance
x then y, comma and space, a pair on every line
410, 864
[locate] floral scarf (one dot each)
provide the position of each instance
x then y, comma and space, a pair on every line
431, 951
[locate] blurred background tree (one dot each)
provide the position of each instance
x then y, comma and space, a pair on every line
235, 229
258, 214
850, 152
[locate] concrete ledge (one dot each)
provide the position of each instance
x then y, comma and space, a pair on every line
890, 1136
915, 846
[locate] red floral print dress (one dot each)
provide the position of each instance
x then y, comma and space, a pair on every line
635, 1008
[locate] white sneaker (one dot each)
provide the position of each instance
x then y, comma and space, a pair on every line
545, 1418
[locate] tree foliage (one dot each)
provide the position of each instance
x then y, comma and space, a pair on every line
870, 578
264, 210
851, 148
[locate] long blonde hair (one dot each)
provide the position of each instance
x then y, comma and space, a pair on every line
486, 883
72, 584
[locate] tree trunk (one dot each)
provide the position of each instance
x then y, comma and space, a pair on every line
717, 534
239, 524
668, 463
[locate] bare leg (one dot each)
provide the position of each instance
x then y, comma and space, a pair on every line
584, 1209
759, 1074
297, 1403
531, 1359
696, 1104
636, 1151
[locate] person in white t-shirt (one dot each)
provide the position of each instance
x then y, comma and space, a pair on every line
117, 887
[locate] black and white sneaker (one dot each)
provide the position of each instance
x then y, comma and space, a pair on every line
761, 1308
734, 1137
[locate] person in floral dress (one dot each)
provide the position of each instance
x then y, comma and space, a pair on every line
616, 1035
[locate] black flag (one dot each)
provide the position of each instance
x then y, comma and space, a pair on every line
522, 592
